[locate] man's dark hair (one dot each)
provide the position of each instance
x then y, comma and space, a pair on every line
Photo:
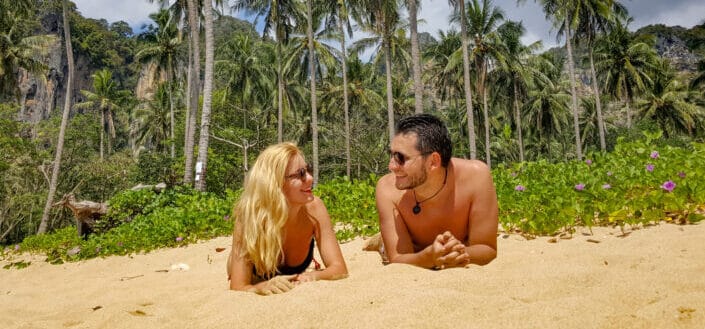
432, 135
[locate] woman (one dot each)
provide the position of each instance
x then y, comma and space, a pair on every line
277, 221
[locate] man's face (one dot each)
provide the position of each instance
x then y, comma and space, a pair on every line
406, 162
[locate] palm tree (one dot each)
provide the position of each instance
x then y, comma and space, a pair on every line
64, 121
597, 17
245, 70
380, 20
482, 23
624, 65
193, 78
105, 98
513, 74
668, 104
459, 7
164, 52
202, 159
280, 16
412, 7
151, 127
546, 108
337, 12
312, 79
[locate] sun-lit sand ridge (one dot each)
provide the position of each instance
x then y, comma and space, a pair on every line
651, 278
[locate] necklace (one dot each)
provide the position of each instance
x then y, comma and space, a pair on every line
417, 207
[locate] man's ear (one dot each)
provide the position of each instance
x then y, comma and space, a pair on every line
435, 160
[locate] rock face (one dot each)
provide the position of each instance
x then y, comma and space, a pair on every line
675, 49
40, 95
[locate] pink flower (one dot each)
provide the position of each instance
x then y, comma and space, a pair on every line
668, 186
681, 174
654, 154
606, 186
520, 188
588, 162
179, 239
609, 173
650, 167
580, 187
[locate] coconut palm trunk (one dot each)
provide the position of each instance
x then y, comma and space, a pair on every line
193, 88
43, 225
346, 110
390, 99
466, 81
415, 57
202, 159
598, 103
517, 118
312, 75
574, 95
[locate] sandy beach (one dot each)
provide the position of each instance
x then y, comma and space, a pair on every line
653, 277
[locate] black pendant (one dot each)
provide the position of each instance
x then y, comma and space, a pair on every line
417, 209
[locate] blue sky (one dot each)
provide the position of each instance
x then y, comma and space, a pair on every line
686, 13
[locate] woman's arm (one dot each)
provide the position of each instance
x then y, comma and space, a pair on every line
328, 246
240, 272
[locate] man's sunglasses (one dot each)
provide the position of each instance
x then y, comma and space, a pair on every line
400, 159
301, 173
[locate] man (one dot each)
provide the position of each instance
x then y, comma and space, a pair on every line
435, 211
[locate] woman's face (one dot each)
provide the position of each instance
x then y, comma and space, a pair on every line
298, 181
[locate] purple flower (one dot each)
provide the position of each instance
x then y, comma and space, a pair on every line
654, 154
179, 239
668, 186
606, 186
609, 173
580, 187
588, 162
650, 167
17, 247
226, 217
681, 174
520, 188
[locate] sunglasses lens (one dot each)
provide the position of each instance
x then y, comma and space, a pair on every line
399, 158
309, 168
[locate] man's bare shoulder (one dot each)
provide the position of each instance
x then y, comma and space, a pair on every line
469, 167
386, 189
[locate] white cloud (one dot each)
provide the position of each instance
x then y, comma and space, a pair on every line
134, 12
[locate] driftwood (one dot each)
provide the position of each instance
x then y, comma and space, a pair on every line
157, 188
85, 212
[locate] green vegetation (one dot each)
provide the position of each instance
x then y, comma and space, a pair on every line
640, 183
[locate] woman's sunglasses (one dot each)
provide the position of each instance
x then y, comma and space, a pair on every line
301, 173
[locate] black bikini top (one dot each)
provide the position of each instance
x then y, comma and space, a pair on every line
289, 270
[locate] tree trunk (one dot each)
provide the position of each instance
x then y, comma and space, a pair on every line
598, 104
345, 92
171, 110
64, 122
102, 134
207, 97
312, 73
517, 118
574, 96
390, 99
485, 113
280, 93
415, 57
466, 82
194, 85
627, 100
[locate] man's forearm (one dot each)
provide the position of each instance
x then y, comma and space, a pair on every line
422, 258
481, 254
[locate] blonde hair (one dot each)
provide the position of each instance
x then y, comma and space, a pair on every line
263, 210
